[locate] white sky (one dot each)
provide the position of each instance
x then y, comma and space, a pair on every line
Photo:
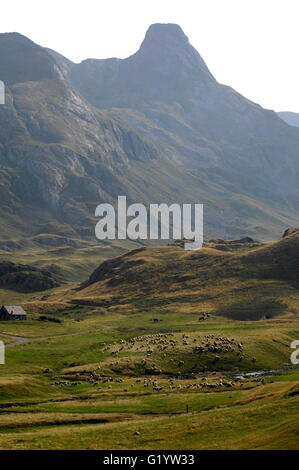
251, 45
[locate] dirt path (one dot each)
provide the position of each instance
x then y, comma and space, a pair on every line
18, 339
23, 339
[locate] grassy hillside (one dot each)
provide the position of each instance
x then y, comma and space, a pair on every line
159, 340
247, 281
68, 259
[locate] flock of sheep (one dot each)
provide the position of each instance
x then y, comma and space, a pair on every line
172, 346
172, 384
169, 344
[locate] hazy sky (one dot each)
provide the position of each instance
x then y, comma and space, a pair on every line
251, 45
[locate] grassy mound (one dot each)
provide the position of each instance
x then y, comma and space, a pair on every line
25, 278
262, 280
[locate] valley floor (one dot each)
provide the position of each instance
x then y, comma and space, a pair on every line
113, 381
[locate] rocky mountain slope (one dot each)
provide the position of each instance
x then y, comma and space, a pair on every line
156, 127
245, 155
59, 156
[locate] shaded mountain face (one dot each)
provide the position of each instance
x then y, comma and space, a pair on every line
25, 278
290, 118
156, 127
22, 60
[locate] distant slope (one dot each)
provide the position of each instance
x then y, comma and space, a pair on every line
247, 284
25, 278
290, 118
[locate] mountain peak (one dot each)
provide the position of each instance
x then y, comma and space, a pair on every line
161, 32
166, 47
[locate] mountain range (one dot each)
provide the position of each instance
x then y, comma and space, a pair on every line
156, 127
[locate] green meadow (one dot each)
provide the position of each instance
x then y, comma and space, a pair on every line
158, 342
63, 389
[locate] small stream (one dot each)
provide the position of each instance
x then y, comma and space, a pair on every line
264, 372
